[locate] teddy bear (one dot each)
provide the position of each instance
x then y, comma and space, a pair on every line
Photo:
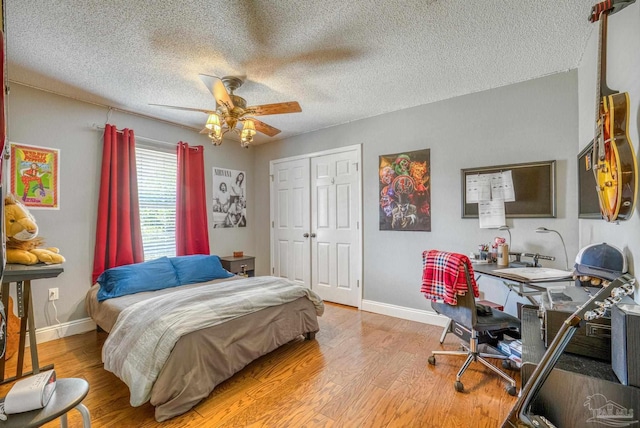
21, 231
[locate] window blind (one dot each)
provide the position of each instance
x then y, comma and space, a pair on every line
157, 172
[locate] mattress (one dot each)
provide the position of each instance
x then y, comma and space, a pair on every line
203, 359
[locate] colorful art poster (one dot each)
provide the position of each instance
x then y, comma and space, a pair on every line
405, 191
35, 176
229, 198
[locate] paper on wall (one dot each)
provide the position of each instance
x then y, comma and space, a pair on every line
478, 188
502, 187
491, 214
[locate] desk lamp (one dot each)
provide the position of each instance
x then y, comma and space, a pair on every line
505, 227
545, 230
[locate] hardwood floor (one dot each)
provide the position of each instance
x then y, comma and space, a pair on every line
363, 370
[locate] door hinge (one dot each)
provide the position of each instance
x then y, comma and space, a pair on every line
271, 176
357, 225
272, 225
357, 165
273, 270
358, 283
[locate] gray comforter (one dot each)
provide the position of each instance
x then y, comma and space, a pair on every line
145, 334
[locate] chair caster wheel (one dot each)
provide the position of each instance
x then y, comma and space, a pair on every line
432, 360
506, 365
511, 391
458, 386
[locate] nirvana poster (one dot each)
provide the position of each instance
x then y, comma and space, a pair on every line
34, 175
229, 198
405, 193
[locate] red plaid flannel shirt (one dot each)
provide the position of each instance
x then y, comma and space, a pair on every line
443, 276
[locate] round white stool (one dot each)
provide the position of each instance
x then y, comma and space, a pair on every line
68, 394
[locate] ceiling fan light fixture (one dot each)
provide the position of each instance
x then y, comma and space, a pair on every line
248, 131
213, 123
231, 109
248, 128
215, 130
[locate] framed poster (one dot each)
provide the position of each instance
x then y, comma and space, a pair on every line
34, 176
229, 198
534, 185
588, 204
405, 191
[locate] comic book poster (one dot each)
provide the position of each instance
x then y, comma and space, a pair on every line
229, 198
35, 176
405, 191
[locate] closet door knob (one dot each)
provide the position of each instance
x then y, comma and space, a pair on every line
306, 235
313, 235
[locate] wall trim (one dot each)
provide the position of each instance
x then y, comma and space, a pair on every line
418, 315
65, 329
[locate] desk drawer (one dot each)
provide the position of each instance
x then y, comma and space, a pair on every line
593, 339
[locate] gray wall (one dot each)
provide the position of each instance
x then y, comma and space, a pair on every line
530, 121
44, 119
623, 63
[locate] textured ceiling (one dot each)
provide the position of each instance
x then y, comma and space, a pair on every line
342, 60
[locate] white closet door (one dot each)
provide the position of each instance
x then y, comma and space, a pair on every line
335, 237
291, 218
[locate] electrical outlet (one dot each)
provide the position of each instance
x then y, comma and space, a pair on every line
53, 294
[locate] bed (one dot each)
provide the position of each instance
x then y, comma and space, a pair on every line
201, 359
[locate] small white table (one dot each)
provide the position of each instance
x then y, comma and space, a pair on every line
22, 275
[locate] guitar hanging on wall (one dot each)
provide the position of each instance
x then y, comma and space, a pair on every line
614, 160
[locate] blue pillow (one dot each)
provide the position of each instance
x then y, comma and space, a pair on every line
129, 279
198, 268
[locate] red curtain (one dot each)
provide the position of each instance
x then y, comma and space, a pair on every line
3, 117
118, 236
192, 233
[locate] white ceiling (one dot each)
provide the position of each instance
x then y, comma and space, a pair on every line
342, 60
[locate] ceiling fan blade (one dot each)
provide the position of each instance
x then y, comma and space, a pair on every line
217, 89
185, 108
277, 108
264, 128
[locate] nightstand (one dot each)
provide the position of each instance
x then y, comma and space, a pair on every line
239, 265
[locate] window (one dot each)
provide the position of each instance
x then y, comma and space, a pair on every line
157, 172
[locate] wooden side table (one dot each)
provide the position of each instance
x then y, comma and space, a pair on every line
239, 265
68, 394
22, 275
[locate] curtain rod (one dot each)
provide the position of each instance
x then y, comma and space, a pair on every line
138, 137
133, 113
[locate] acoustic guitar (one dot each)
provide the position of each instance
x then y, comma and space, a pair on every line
614, 160
13, 331
12, 339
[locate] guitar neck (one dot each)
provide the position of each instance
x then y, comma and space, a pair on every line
594, 308
600, 12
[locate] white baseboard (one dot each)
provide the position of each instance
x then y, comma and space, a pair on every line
418, 315
64, 329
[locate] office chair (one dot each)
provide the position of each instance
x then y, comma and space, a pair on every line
466, 323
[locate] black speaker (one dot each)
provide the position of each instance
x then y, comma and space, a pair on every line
625, 343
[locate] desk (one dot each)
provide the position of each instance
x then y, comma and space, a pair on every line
526, 289
569, 397
68, 394
22, 275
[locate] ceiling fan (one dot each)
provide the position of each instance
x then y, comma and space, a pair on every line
231, 111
